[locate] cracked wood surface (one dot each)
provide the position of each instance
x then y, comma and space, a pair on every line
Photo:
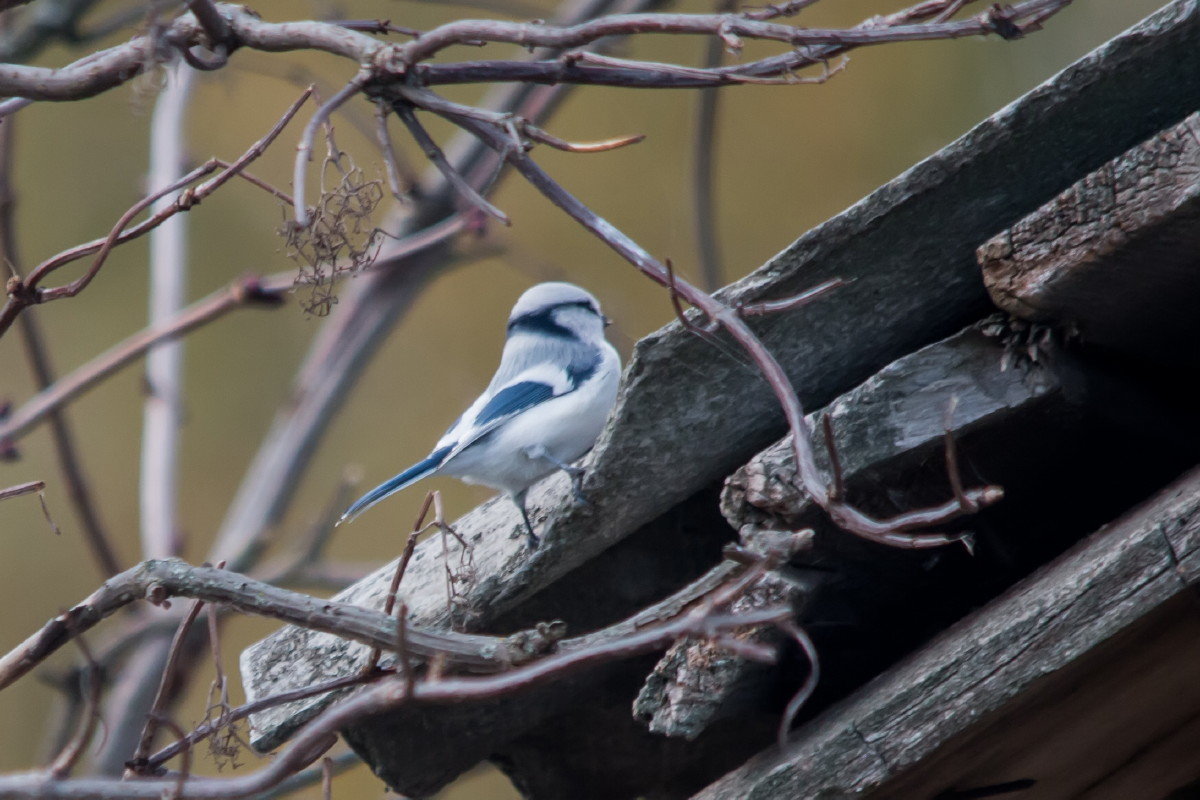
1079, 679
1116, 256
888, 430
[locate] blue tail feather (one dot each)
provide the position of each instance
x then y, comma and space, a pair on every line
410, 476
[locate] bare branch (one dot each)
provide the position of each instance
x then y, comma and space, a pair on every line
319, 734
160, 580
391, 63
22, 489
89, 716
211, 21
435, 154
250, 292
162, 407
704, 154
165, 682
304, 149
207, 729
22, 294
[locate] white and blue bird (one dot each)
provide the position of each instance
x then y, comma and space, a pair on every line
543, 409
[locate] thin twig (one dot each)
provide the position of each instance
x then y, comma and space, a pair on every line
165, 686
245, 292
790, 303
305, 147
69, 459
704, 156
311, 776
207, 729
390, 160
22, 489
25, 293
327, 778
435, 155
805, 692
89, 715
389, 604
837, 487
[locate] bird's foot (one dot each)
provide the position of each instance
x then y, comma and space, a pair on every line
577, 474
532, 538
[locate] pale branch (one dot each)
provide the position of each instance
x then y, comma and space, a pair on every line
157, 581
29, 487
704, 156
305, 147
705, 621
162, 405
390, 63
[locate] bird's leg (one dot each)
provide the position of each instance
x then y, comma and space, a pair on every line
538, 452
518, 498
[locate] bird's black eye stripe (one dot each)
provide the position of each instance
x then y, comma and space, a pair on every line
543, 321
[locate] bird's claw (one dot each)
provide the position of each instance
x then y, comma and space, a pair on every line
576, 474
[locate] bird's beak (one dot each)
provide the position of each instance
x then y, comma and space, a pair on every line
605, 320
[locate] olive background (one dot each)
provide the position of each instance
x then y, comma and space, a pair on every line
788, 157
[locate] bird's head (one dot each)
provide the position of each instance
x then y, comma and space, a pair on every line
560, 310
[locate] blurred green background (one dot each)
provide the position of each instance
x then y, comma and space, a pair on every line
788, 158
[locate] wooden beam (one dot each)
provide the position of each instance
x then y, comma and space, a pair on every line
1116, 257
1080, 679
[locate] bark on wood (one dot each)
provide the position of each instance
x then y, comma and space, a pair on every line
1115, 257
1026, 427
687, 416
1072, 672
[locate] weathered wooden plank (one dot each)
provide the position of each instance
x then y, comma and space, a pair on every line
1031, 427
686, 417
1116, 257
1086, 665
892, 425
698, 682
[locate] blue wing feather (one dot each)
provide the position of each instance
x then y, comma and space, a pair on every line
407, 478
513, 400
